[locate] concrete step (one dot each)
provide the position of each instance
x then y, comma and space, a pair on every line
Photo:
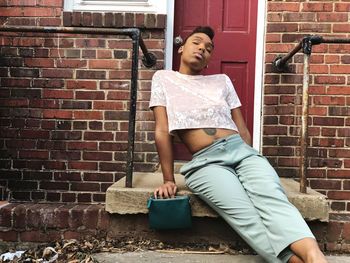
121, 200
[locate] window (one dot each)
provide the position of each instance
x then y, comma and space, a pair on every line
141, 6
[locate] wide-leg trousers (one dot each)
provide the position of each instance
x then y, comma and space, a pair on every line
244, 189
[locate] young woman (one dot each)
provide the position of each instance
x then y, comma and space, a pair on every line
226, 172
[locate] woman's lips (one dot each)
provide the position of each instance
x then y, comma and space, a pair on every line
198, 55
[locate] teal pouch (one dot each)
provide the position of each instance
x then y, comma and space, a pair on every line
171, 213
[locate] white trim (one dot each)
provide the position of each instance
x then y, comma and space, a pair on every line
259, 76
169, 34
140, 6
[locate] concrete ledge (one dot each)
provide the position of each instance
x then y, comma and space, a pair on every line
121, 200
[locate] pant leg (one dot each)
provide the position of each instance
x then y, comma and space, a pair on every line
219, 187
282, 220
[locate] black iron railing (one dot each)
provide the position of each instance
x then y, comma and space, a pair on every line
280, 65
148, 60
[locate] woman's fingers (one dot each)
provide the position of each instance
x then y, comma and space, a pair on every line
165, 191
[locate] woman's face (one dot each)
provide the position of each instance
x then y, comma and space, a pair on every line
196, 52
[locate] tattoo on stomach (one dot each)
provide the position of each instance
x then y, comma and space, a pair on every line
210, 131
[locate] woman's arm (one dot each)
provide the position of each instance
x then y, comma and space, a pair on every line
242, 127
164, 145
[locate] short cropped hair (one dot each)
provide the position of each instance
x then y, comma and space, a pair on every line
202, 29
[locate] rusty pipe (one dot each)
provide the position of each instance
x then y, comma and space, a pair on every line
304, 125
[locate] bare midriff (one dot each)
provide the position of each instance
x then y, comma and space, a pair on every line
197, 139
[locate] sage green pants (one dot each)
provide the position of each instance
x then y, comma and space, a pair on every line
243, 188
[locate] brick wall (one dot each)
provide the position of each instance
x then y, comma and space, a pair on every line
329, 132
65, 99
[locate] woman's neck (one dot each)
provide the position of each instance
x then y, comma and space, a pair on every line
188, 71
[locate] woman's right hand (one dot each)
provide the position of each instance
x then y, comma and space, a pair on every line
166, 190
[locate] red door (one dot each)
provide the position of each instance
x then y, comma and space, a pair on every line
234, 22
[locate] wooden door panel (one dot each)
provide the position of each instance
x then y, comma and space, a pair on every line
239, 21
234, 22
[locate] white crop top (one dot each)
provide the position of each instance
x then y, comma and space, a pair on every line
195, 101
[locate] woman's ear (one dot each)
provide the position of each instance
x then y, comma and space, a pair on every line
179, 51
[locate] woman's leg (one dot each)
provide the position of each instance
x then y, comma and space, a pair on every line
220, 188
282, 220
308, 250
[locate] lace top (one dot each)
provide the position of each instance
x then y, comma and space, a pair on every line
195, 101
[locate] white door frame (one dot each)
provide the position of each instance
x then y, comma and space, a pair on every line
259, 63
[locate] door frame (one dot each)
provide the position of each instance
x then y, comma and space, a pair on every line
259, 63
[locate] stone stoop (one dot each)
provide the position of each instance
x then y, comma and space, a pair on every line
129, 219
121, 200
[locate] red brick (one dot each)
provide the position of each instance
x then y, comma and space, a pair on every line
88, 115
326, 184
81, 84
281, 7
84, 197
317, 7
104, 220
334, 230
33, 236
90, 95
8, 235
338, 206
341, 7
104, 64
71, 63
57, 73
91, 216
19, 216
6, 215
56, 3
339, 49
104, 53
336, 90
150, 21
119, 74
99, 177
97, 19
329, 100
58, 94
93, 42
111, 166
82, 145
100, 136
11, 11
341, 28
55, 114
340, 153
33, 154
339, 195
32, 134
39, 12
65, 155
328, 121
107, 146
108, 105
98, 156
49, 21
90, 74
72, 235
54, 185
83, 165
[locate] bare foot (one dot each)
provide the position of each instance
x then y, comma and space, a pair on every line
316, 257
295, 259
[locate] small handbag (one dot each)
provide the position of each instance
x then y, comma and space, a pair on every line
170, 213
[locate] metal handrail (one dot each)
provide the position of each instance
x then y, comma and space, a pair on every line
148, 60
280, 65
